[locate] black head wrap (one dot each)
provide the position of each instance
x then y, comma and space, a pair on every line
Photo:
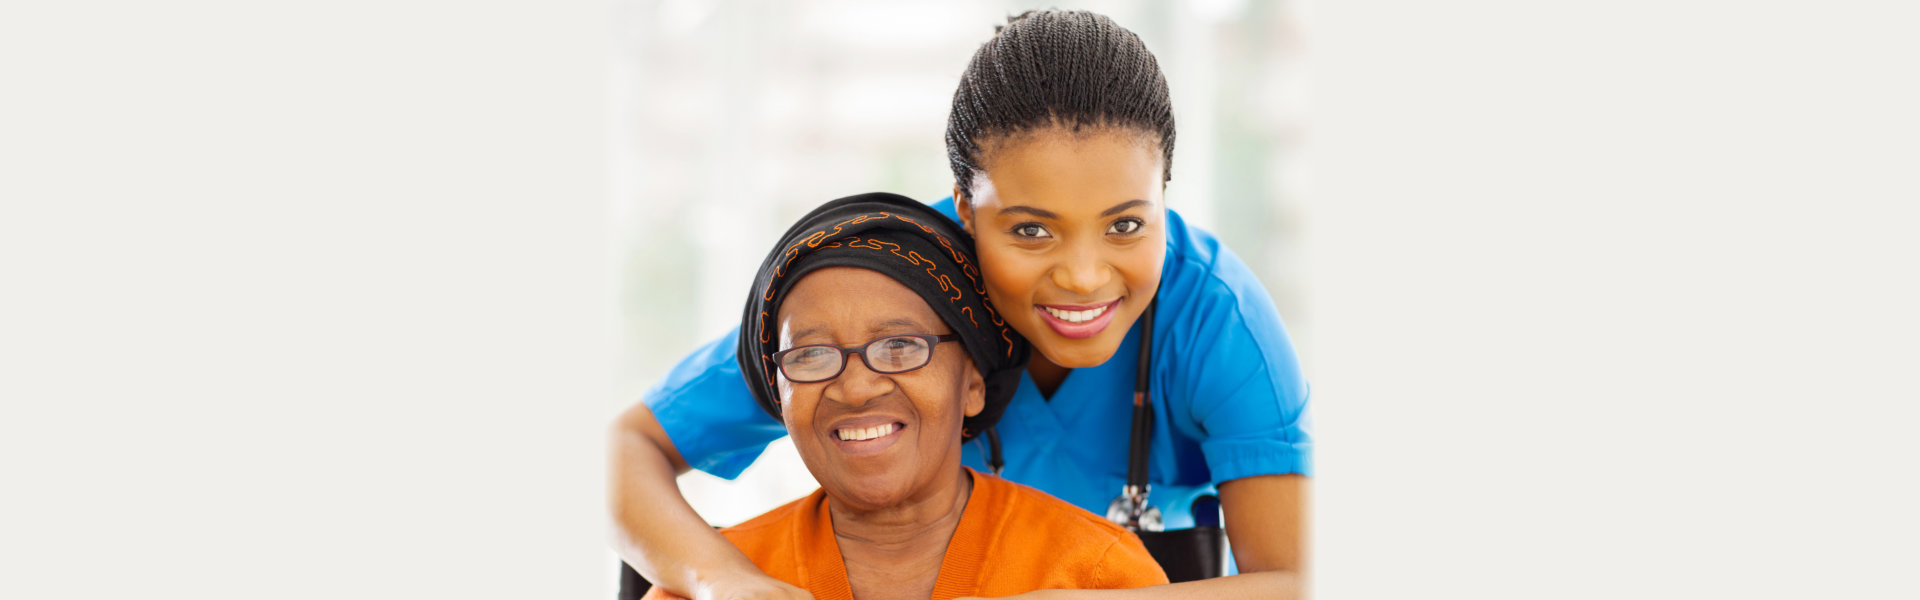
909, 242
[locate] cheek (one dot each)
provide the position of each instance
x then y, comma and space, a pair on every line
1009, 276
1141, 265
796, 409
942, 404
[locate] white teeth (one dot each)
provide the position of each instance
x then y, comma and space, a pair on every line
865, 433
1075, 316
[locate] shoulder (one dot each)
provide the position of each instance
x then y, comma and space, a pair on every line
772, 531
1214, 314
1029, 509
1223, 360
1070, 533
1199, 267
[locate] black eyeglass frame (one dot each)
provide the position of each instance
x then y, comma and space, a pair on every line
932, 340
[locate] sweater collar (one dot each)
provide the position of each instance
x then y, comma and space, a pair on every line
825, 570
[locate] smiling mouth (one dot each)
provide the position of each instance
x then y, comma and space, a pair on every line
1077, 321
858, 434
1077, 316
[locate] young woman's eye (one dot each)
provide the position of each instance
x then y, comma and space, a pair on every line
1030, 230
1125, 226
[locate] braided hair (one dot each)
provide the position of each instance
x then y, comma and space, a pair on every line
1074, 70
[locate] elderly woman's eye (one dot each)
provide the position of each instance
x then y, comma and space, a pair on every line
1030, 230
809, 356
899, 352
1125, 226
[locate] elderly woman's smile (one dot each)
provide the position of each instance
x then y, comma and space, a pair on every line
857, 435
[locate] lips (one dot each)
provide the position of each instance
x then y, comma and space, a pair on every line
1077, 321
866, 435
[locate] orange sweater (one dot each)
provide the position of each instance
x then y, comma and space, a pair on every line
1011, 539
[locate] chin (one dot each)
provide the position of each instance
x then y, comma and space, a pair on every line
872, 493
1081, 354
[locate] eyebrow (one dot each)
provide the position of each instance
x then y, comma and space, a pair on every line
1047, 214
894, 324
1123, 207
804, 333
1044, 214
878, 328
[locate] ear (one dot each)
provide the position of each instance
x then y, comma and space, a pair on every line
976, 393
964, 206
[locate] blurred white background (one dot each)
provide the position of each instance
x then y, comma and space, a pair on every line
752, 113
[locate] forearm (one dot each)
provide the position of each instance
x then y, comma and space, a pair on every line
653, 528
1265, 585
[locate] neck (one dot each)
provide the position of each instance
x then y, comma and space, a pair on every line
895, 552
1046, 375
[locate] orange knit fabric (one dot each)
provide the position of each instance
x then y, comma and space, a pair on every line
1011, 539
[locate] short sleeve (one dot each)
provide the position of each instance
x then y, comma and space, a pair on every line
706, 409
1235, 367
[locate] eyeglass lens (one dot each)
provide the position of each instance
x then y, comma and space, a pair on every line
884, 355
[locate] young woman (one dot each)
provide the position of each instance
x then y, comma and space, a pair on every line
1061, 141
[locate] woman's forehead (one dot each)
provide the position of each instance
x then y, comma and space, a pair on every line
1068, 170
843, 301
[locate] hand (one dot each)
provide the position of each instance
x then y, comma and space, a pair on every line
756, 586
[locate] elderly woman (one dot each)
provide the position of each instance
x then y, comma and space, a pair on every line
868, 334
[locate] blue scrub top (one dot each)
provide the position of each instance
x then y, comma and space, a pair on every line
1228, 397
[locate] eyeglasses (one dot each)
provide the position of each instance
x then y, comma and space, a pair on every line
891, 354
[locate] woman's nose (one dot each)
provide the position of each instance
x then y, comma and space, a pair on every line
1082, 272
857, 384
